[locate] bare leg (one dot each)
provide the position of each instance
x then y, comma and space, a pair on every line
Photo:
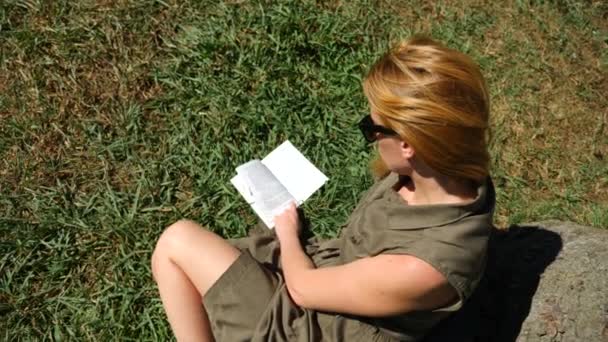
187, 260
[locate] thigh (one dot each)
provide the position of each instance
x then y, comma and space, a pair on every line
240, 298
202, 255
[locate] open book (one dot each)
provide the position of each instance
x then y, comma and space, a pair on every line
271, 184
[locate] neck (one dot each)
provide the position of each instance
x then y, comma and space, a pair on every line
424, 189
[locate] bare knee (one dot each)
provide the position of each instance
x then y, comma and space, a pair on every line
171, 240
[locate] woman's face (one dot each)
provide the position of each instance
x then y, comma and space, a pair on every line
395, 152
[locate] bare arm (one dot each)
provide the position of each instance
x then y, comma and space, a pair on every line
376, 286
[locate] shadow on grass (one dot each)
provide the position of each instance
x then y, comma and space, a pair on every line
496, 311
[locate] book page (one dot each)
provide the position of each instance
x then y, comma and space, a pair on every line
294, 171
240, 184
262, 190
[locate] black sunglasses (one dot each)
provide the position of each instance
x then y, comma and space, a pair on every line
369, 129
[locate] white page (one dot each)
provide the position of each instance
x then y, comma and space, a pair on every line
241, 185
294, 171
266, 189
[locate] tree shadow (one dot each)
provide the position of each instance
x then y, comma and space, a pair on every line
517, 257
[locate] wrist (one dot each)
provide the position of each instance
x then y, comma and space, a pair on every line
289, 239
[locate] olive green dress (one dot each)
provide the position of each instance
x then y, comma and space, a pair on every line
250, 302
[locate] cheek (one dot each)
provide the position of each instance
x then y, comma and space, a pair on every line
380, 146
385, 146
385, 150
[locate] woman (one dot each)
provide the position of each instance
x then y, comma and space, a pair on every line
411, 253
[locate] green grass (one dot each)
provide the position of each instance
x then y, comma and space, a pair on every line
119, 117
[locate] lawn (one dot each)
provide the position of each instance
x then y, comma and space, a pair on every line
119, 117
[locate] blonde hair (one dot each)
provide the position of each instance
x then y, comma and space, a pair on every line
436, 99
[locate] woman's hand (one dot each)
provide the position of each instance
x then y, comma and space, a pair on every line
287, 223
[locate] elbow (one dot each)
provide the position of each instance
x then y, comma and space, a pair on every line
298, 286
297, 296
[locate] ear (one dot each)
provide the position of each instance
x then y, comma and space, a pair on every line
407, 151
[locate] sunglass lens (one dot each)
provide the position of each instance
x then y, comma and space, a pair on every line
366, 125
370, 135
